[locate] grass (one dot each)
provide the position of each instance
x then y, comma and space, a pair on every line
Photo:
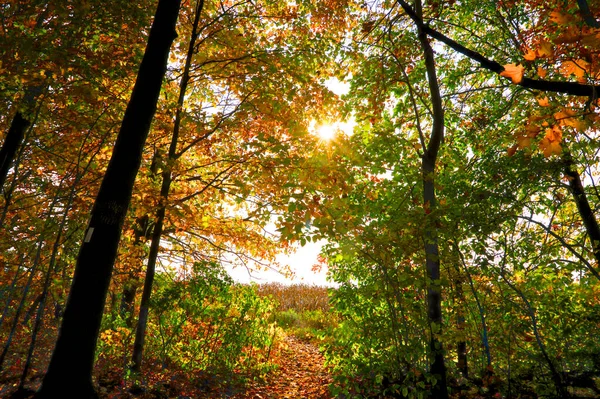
303, 310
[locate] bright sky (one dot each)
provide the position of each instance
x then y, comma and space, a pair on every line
301, 263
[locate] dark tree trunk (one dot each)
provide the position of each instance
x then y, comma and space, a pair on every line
127, 300
70, 371
11, 144
432, 257
142, 230
434, 289
461, 346
583, 205
140, 332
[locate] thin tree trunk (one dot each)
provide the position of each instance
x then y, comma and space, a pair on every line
27, 287
583, 205
140, 333
484, 329
8, 159
70, 371
556, 377
142, 229
11, 144
432, 258
11, 291
461, 345
48, 279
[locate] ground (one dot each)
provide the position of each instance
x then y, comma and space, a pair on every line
299, 373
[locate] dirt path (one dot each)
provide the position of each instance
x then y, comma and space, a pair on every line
300, 375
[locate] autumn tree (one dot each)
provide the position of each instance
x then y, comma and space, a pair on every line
72, 360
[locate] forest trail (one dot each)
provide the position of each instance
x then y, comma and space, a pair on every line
301, 373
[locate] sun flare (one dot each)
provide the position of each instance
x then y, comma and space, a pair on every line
328, 131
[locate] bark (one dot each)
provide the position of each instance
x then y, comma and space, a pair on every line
583, 205
11, 144
70, 371
432, 258
140, 333
587, 15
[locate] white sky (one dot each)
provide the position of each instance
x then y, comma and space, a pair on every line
301, 263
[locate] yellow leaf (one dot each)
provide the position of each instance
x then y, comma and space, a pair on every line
543, 101
559, 18
514, 72
545, 49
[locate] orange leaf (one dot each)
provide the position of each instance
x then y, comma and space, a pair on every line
532, 130
577, 68
543, 101
524, 142
592, 39
541, 72
514, 72
555, 149
530, 55
554, 134
545, 49
559, 18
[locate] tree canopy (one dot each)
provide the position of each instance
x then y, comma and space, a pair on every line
459, 215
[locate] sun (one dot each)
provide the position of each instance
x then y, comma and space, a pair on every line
327, 131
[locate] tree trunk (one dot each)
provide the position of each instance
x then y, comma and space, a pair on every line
430, 236
140, 333
70, 371
484, 329
11, 144
434, 295
22, 120
583, 205
461, 345
556, 375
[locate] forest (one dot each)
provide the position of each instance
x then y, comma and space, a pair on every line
148, 147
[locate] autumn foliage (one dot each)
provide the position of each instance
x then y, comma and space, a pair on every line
460, 216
